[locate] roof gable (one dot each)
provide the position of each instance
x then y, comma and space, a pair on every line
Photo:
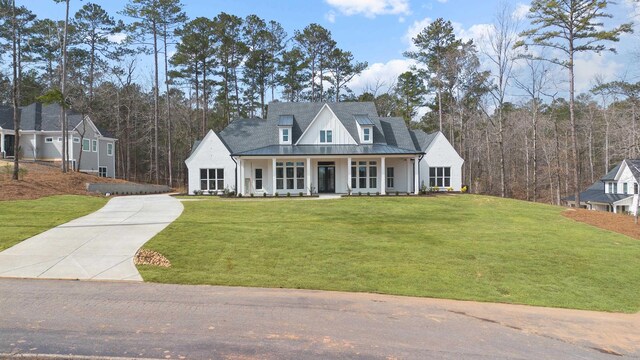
326, 119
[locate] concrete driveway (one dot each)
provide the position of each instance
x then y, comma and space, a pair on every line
98, 246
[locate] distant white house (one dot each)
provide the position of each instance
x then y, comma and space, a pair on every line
322, 148
91, 150
615, 191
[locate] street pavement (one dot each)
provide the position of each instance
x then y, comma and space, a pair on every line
142, 320
99, 246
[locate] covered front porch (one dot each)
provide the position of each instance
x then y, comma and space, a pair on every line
325, 174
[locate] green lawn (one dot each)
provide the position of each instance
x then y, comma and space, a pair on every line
458, 247
22, 219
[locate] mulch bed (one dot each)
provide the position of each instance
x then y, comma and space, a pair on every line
150, 257
620, 223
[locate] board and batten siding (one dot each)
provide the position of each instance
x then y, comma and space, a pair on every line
326, 120
440, 153
211, 153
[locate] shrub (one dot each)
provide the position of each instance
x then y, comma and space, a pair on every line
464, 189
300, 194
240, 195
276, 194
197, 192
408, 193
378, 193
251, 195
368, 193
210, 192
264, 194
288, 194
449, 189
435, 189
359, 193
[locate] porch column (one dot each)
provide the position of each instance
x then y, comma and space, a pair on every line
2, 151
35, 147
348, 175
240, 189
409, 175
383, 176
273, 176
416, 175
308, 176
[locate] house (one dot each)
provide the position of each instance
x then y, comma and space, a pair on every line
91, 150
615, 191
322, 148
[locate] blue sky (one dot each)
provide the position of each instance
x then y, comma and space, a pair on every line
378, 31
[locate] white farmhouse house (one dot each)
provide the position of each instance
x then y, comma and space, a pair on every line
614, 192
322, 148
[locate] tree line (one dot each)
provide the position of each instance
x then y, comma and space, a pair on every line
496, 100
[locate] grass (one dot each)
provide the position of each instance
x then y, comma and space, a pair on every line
22, 219
459, 247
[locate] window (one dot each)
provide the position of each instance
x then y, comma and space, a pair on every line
86, 144
211, 179
625, 188
76, 140
102, 171
94, 145
110, 149
440, 176
364, 173
290, 175
258, 179
635, 188
615, 188
48, 140
326, 136
390, 177
285, 135
366, 137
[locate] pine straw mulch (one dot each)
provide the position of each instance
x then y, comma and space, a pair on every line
623, 224
150, 257
41, 180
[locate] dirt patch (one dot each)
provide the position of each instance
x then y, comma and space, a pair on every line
623, 224
40, 180
150, 257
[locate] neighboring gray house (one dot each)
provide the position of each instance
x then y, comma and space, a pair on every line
323, 148
616, 192
90, 149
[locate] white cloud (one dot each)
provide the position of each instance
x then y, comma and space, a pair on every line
477, 32
371, 8
635, 7
443, 1
588, 65
330, 16
521, 11
380, 74
117, 38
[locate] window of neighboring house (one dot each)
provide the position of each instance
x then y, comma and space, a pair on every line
635, 188
86, 145
211, 179
48, 139
102, 171
290, 175
364, 173
390, 177
326, 136
285, 135
94, 145
440, 176
110, 149
76, 140
258, 179
366, 134
59, 139
625, 188
615, 188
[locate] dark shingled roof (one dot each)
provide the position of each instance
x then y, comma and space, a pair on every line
6, 117
259, 137
595, 194
421, 139
363, 119
280, 150
611, 175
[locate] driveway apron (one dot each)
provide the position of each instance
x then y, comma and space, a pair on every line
98, 246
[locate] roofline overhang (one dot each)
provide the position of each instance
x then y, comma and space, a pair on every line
328, 155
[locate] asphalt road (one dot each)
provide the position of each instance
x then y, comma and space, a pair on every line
121, 319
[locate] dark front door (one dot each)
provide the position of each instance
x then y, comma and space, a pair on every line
326, 177
8, 145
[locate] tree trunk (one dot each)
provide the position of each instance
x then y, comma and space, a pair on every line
574, 130
168, 111
63, 110
156, 106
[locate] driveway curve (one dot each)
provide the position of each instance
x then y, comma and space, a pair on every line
99, 246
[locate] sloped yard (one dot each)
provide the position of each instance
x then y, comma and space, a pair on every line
451, 246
